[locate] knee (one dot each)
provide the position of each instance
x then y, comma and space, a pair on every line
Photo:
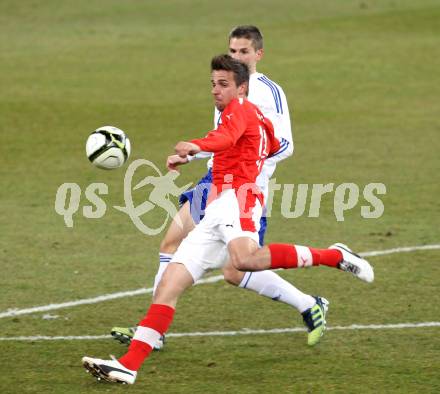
232, 275
240, 263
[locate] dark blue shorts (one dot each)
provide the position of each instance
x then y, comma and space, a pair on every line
198, 196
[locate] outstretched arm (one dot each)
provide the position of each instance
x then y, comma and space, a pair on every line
183, 149
174, 161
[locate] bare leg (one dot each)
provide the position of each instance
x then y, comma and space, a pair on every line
246, 256
175, 280
176, 233
179, 228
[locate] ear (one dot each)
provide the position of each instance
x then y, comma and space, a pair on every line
243, 90
260, 54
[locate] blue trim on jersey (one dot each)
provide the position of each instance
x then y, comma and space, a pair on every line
283, 143
283, 146
275, 92
280, 151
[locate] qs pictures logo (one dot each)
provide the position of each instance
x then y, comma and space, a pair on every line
68, 196
344, 197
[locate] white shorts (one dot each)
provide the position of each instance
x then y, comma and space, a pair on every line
205, 247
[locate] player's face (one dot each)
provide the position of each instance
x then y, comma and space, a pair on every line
243, 50
224, 88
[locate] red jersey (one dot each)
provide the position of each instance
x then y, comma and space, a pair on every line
241, 143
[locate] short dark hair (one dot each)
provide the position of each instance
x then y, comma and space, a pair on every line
249, 32
227, 63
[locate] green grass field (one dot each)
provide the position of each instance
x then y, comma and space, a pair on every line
361, 78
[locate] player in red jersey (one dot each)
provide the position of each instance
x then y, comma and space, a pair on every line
230, 226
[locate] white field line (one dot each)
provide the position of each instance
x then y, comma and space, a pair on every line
233, 333
404, 249
212, 279
94, 300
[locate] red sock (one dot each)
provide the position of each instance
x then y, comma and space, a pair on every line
328, 257
155, 324
296, 256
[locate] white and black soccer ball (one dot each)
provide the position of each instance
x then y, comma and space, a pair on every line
108, 147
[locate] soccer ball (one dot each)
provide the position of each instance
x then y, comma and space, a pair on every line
108, 147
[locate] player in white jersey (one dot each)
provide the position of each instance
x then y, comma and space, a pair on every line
246, 45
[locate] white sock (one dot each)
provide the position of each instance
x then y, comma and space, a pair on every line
271, 285
164, 259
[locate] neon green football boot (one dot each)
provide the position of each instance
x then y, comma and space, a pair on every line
126, 334
123, 334
314, 320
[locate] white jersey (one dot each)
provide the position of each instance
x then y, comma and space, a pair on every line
269, 97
